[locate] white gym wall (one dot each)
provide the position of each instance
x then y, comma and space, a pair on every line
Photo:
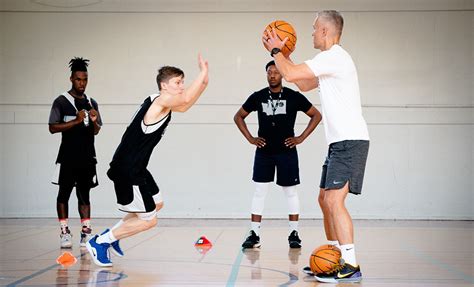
415, 61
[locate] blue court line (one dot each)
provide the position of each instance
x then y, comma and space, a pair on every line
235, 268
26, 278
31, 276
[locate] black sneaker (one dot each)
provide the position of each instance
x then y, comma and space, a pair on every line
307, 270
347, 273
253, 241
294, 240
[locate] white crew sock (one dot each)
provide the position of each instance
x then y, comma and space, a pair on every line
106, 238
348, 254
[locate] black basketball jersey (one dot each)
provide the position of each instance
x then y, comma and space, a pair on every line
132, 155
77, 143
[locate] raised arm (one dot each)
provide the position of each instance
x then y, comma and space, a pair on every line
299, 74
197, 87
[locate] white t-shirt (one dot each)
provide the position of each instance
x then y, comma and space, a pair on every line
340, 96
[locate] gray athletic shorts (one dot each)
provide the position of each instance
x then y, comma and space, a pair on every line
345, 162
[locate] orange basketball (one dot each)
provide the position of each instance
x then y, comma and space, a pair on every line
324, 259
283, 29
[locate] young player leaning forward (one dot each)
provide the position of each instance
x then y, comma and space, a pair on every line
136, 191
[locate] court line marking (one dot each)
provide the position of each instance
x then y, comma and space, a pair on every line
44, 270
235, 267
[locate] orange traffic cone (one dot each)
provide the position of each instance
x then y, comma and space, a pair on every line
66, 259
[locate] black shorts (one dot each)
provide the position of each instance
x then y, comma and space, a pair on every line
286, 164
81, 177
136, 198
345, 162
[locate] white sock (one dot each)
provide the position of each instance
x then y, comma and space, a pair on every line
86, 223
118, 224
63, 225
348, 254
255, 226
334, 243
106, 238
293, 225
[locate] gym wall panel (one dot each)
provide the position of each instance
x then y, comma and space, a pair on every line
415, 63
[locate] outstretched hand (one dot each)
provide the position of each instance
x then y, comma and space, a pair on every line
271, 40
204, 67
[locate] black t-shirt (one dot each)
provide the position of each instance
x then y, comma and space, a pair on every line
276, 116
77, 143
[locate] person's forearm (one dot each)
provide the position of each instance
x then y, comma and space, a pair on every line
57, 128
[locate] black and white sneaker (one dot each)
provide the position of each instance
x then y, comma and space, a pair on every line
294, 240
346, 273
307, 270
253, 241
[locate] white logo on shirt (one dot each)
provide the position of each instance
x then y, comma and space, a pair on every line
280, 107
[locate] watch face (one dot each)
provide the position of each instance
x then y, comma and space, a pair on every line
275, 51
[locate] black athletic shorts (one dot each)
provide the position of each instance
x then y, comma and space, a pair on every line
136, 198
345, 162
82, 177
286, 164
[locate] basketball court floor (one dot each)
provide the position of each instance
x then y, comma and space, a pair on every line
391, 253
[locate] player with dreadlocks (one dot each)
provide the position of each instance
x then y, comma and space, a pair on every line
77, 118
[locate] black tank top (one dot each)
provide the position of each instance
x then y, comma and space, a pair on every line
132, 155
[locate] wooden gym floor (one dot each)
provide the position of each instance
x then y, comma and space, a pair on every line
391, 253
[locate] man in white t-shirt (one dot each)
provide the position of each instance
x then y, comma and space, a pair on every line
334, 72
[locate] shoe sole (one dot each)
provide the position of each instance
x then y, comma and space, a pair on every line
325, 280
351, 279
356, 280
96, 261
342, 280
258, 245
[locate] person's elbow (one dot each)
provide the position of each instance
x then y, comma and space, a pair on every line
236, 118
289, 77
303, 87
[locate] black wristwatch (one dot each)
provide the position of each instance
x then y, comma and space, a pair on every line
275, 51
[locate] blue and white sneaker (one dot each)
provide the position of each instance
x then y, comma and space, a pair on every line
99, 252
116, 250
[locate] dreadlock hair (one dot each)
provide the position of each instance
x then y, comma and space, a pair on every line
78, 64
167, 72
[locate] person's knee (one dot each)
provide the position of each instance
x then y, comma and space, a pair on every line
148, 223
151, 223
333, 200
321, 200
63, 194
